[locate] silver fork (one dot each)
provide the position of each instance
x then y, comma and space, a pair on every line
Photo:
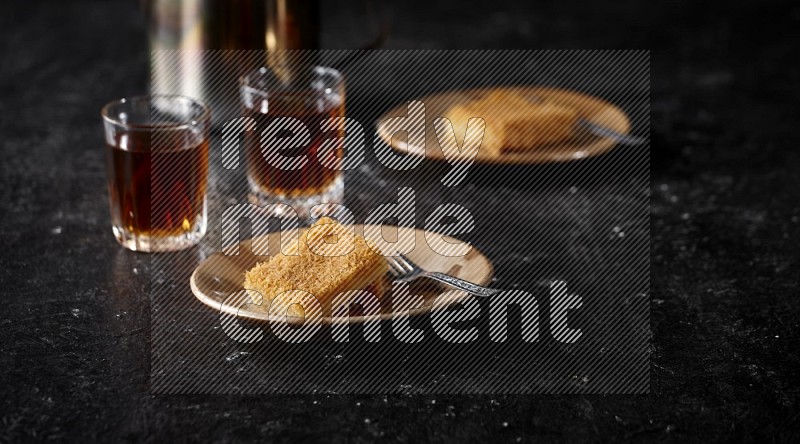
405, 270
597, 129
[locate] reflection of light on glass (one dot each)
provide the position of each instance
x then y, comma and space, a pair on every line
271, 41
178, 27
124, 141
191, 40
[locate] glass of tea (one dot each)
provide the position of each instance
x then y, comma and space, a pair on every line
157, 165
294, 150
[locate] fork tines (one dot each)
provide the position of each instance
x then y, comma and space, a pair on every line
397, 265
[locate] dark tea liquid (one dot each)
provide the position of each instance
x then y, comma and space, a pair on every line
313, 178
157, 182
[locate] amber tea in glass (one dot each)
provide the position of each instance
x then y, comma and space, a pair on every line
157, 166
309, 101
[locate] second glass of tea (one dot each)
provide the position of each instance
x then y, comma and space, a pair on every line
295, 150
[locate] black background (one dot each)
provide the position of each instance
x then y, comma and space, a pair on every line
725, 225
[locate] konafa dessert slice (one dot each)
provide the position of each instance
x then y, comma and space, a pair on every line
493, 135
514, 122
539, 125
328, 259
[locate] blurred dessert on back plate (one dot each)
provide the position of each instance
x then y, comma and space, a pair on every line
514, 122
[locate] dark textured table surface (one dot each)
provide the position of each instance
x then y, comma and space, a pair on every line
725, 225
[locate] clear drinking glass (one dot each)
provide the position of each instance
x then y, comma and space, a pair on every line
294, 154
157, 165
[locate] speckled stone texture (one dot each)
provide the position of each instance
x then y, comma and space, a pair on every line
725, 225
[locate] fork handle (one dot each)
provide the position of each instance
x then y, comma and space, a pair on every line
461, 284
599, 130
